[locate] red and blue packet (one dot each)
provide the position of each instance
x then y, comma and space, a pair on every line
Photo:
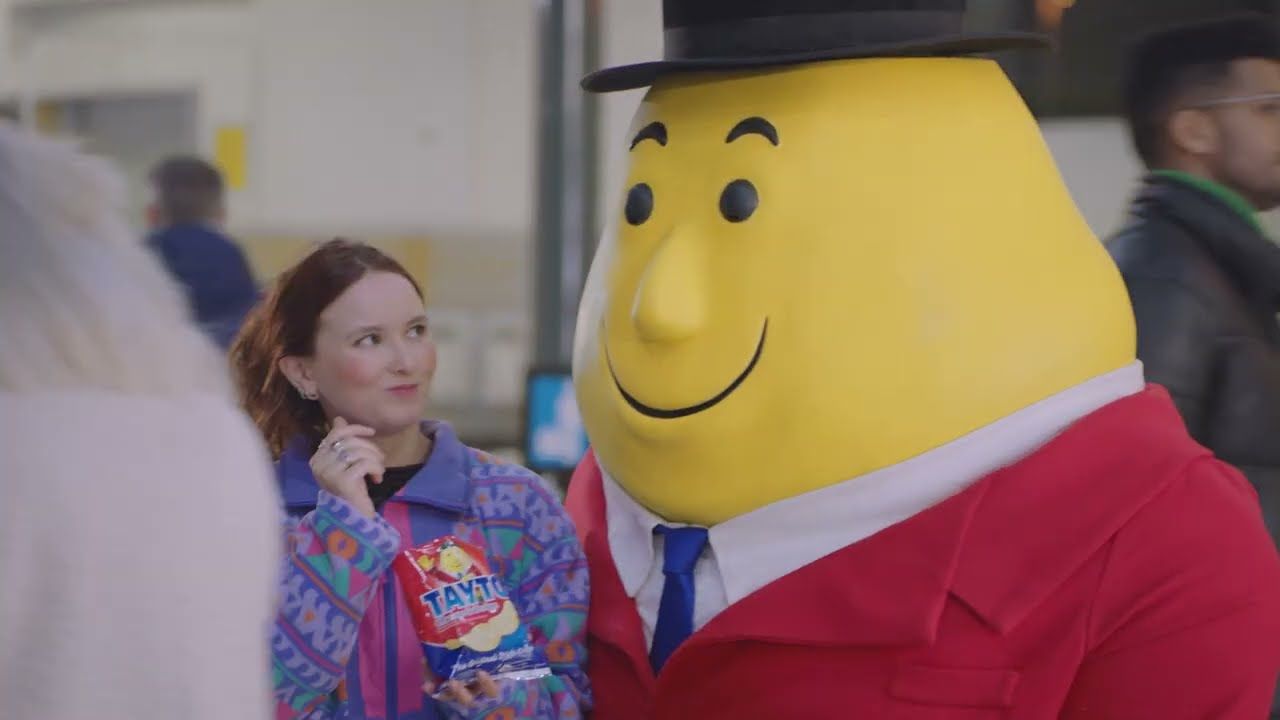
464, 615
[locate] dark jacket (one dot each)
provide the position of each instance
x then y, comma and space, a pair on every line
213, 271
1205, 286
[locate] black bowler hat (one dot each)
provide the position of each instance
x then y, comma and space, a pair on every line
703, 35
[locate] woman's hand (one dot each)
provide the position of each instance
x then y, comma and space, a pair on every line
342, 461
456, 693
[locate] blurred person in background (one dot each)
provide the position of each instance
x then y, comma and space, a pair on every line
139, 541
335, 366
186, 218
1204, 110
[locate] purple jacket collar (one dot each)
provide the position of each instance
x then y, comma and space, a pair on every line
443, 483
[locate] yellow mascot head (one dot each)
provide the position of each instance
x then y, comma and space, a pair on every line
827, 260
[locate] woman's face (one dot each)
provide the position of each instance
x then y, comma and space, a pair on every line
374, 360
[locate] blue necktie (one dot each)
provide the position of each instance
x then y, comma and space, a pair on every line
681, 549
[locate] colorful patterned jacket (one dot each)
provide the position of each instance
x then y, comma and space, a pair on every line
344, 644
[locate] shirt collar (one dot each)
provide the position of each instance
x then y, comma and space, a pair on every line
442, 483
755, 549
630, 534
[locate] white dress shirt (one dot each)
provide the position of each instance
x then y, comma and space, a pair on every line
750, 551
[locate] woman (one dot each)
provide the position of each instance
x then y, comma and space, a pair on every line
335, 368
139, 540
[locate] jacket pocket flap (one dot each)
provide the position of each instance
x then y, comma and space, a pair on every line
959, 687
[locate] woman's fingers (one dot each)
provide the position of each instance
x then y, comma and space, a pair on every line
350, 455
328, 462
343, 447
341, 435
487, 685
460, 693
359, 443
355, 472
456, 692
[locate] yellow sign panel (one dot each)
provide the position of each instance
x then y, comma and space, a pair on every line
229, 153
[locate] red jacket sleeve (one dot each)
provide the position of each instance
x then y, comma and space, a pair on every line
1186, 621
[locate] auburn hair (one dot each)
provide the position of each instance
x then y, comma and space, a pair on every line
284, 324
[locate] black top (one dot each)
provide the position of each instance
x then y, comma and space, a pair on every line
1205, 285
392, 480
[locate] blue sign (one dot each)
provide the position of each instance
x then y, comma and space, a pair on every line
554, 436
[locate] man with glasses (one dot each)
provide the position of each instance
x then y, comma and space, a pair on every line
1203, 105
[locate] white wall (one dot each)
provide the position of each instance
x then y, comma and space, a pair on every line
114, 49
1098, 166
395, 114
362, 117
381, 115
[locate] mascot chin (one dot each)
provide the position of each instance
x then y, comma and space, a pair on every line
869, 436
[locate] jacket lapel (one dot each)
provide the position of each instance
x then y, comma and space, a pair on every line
888, 590
612, 618
1045, 517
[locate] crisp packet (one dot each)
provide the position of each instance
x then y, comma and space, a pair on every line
463, 614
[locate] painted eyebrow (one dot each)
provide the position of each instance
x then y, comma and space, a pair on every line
754, 126
655, 131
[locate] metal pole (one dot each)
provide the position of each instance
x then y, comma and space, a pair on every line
572, 231
547, 239
566, 222
594, 24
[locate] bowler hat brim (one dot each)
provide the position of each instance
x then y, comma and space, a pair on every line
629, 77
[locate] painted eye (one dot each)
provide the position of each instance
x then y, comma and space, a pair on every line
639, 204
738, 201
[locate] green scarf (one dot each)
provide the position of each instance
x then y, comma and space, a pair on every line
1233, 199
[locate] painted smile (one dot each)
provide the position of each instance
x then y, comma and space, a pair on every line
665, 414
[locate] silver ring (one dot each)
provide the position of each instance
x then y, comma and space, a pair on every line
346, 458
336, 446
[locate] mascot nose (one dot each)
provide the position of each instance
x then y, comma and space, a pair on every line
671, 299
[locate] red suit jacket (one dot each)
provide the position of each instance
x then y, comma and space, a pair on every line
1118, 572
